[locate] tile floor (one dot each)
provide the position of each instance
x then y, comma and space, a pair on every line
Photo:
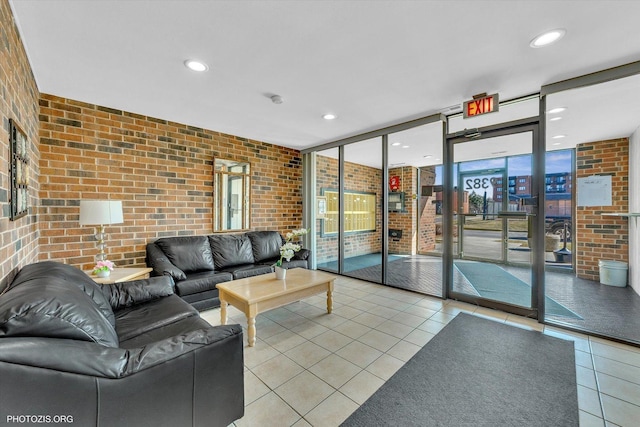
312, 369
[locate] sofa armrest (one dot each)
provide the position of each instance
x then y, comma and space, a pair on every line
126, 294
95, 360
161, 264
162, 351
302, 254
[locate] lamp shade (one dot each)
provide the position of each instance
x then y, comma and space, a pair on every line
100, 212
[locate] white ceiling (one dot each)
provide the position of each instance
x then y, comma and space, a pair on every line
373, 63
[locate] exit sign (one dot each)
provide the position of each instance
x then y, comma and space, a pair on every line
480, 105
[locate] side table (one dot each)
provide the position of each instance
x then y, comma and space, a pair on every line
119, 275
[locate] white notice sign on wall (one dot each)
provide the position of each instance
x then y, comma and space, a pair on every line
594, 191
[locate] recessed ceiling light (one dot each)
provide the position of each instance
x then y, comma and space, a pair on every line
557, 143
329, 116
405, 146
556, 110
428, 156
194, 65
547, 38
559, 136
395, 144
555, 119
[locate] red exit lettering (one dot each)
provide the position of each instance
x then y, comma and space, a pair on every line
476, 107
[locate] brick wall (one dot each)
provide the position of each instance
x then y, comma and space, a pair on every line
600, 237
357, 178
418, 222
18, 101
367, 179
405, 221
427, 212
326, 178
161, 170
634, 206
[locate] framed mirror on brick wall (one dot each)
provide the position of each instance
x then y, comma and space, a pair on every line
19, 173
231, 195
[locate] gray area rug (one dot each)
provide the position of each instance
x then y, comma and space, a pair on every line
478, 372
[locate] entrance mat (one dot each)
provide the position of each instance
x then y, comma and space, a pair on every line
478, 372
358, 262
495, 283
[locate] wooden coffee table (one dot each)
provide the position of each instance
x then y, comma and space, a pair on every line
258, 294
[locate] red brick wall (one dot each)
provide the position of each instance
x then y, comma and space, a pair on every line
600, 237
357, 178
19, 102
161, 170
326, 178
367, 179
427, 212
405, 221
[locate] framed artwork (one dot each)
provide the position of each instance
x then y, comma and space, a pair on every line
19, 174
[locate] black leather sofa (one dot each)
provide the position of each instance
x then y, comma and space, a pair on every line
198, 263
131, 354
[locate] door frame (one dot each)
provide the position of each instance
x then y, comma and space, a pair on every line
532, 125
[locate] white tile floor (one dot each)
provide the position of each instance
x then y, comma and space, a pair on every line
312, 369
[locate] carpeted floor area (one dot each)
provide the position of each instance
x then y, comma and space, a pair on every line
482, 373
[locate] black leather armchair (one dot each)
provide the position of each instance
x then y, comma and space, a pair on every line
128, 354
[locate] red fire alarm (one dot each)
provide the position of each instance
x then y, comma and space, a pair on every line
394, 183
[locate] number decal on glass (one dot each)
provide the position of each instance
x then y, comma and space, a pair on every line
476, 183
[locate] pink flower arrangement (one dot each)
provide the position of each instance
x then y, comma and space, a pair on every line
103, 266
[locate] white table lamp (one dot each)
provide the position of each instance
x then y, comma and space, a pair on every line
100, 212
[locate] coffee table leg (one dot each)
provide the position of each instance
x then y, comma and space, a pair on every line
223, 311
251, 326
329, 301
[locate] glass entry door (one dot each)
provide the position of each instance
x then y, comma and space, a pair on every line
494, 200
480, 199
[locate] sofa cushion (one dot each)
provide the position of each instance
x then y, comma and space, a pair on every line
248, 270
46, 271
138, 319
189, 253
55, 309
265, 244
231, 249
204, 300
200, 282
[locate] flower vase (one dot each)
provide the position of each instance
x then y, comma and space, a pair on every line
103, 273
281, 273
